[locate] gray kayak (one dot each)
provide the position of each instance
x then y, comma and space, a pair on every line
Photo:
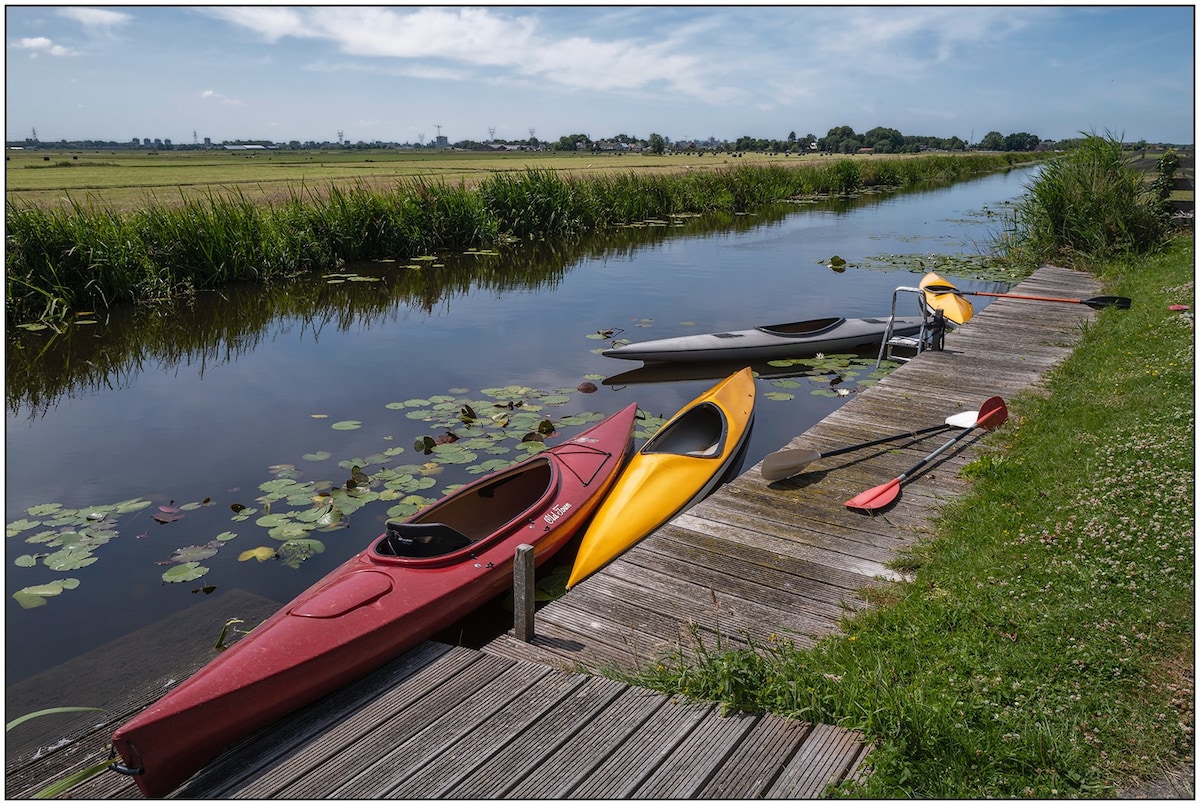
798, 339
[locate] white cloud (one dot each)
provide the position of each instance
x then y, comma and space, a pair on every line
95, 17
213, 95
40, 44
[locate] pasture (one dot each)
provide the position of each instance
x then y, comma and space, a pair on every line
126, 180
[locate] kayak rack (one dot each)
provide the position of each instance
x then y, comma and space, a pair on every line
931, 336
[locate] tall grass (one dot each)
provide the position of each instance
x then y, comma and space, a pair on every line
64, 259
1089, 202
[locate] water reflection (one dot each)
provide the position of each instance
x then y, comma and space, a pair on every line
216, 327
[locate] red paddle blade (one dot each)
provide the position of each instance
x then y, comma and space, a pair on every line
992, 414
875, 498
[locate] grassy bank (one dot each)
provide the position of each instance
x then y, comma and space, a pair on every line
62, 259
1045, 647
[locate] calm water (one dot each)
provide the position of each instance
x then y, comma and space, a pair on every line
204, 401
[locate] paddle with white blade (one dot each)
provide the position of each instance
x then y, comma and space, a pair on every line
992, 414
786, 463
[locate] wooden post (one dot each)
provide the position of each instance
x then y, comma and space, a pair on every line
523, 595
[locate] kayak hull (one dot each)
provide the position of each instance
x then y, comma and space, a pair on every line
795, 339
411, 582
957, 309
683, 462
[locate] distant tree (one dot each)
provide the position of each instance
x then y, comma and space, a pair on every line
1021, 141
992, 141
657, 144
884, 141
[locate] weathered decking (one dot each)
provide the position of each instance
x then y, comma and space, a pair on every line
754, 563
758, 562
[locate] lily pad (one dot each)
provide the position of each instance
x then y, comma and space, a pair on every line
189, 571
347, 424
262, 554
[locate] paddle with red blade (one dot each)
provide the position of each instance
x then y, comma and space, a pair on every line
786, 463
1119, 302
992, 414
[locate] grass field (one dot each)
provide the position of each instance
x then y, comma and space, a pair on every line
125, 180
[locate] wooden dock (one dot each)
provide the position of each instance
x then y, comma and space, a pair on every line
758, 562
754, 563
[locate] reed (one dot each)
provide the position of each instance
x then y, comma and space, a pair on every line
1088, 203
67, 258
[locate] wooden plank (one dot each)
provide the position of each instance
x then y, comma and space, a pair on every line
825, 758
597, 740
697, 758
402, 748
259, 764
484, 738
329, 754
749, 772
542, 738
622, 772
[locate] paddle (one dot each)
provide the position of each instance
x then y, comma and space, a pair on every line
786, 463
992, 415
1120, 302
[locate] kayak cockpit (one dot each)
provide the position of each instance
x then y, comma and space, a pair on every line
700, 433
421, 540
473, 514
803, 328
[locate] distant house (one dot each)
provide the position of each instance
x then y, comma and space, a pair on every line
865, 151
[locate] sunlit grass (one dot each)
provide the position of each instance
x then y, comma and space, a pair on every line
1044, 648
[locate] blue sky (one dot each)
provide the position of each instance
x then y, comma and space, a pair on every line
399, 73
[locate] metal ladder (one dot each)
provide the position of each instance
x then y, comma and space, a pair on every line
931, 336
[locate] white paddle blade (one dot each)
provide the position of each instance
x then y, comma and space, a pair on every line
966, 419
786, 463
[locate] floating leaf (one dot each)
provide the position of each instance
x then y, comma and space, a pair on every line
189, 571
36, 596
262, 554
320, 455
347, 424
167, 518
779, 395
72, 558
194, 553
225, 536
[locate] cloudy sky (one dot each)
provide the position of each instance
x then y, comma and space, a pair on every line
404, 73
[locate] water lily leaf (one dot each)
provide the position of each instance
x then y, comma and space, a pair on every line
779, 395
294, 553
36, 596
189, 571
17, 526
488, 466
44, 509
320, 455
193, 553
71, 558
225, 536
165, 518
347, 424
262, 554
288, 531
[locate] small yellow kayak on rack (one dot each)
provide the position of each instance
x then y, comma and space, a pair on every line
954, 307
678, 467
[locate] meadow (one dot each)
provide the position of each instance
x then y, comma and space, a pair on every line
128, 180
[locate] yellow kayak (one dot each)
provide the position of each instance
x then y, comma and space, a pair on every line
677, 467
956, 308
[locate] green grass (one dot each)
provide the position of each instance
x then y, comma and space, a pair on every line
82, 255
1045, 648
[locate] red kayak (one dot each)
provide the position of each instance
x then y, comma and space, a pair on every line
415, 579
